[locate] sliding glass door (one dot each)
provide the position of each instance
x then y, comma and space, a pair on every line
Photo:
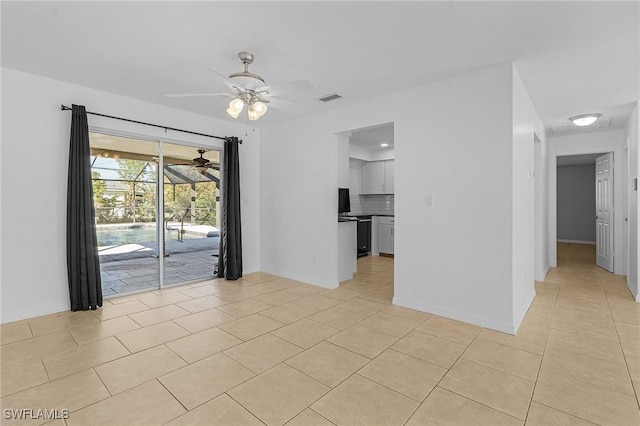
191, 227
156, 213
125, 173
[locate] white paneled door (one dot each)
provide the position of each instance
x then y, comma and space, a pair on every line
604, 211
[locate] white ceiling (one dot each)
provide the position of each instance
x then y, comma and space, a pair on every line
372, 137
574, 57
576, 160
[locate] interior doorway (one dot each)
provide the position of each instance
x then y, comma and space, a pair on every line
157, 215
578, 200
368, 169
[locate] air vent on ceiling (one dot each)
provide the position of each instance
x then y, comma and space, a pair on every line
330, 97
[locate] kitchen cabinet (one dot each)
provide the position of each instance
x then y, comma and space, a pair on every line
389, 176
372, 177
377, 177
385, 235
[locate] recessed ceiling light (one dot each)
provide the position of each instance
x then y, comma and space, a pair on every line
384, 144
584, 120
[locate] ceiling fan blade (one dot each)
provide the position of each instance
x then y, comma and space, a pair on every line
289, 87
186, 95
286, 106
226, 80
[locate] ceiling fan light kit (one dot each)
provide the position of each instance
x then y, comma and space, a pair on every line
584, 120
256, 110
235, 107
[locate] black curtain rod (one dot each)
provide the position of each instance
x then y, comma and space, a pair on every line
66, 108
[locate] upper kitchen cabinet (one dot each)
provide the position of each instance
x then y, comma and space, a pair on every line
377, 177
373, 177
389, 176
371, 155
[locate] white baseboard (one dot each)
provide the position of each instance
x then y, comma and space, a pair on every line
544, 274
37, 313
629, 286
460, 316
302, 278
522, 311
593, 243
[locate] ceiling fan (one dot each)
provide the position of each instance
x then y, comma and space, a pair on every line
202, 165
250, 89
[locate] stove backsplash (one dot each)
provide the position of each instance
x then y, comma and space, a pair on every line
381, 204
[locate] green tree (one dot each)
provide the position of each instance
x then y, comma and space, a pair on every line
177, 200
102, 202
139, 176
206, 198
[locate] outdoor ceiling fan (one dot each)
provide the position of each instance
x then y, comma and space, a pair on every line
250, 89
201, 164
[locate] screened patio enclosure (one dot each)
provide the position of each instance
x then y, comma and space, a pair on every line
157, 216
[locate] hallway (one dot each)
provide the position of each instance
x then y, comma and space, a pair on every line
592, 353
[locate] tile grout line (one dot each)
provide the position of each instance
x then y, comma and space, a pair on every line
564, 412
157, 379
544, 351
441, 379
176, 354
240, 404
102, 381
635, 391
314, 411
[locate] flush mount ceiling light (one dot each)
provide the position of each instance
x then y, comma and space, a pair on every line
584, 120
384, 145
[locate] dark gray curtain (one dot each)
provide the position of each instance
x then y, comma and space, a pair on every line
230, 257
83, 265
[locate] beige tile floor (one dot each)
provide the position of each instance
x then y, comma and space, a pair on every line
268, 350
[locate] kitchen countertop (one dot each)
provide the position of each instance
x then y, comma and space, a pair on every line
352, 217
347, 219
370, 214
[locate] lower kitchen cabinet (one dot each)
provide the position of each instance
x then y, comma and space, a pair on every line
385, 235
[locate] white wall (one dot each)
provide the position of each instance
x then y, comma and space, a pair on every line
343, 161
455, 258
453, 140
632, 134
591, 143
540, 208
34, 272
355, 177
525, 124
299, 205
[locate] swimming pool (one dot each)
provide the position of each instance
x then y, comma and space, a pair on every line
113, 236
